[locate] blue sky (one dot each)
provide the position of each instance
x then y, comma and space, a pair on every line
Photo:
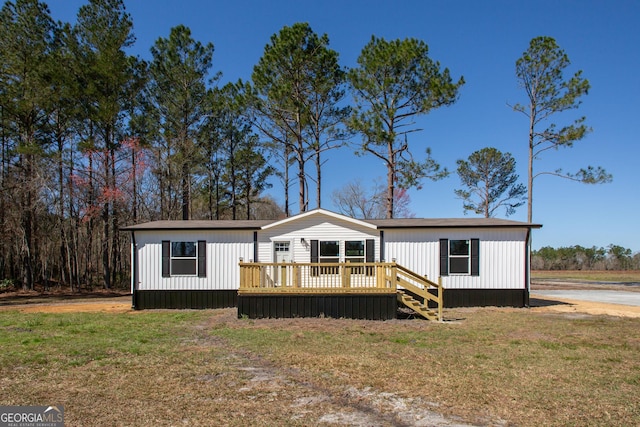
480, 40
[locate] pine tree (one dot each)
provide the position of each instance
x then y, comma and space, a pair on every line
394, 83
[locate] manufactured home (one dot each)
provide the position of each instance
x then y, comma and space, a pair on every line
323, 263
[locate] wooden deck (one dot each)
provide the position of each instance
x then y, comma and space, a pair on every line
417, 292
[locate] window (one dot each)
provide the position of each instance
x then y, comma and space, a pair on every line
184, 258
354, 251
281, 246
461, 257
329, 252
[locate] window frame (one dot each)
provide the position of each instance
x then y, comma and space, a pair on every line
328, 258
459, 256
279, 245
176, 258
357, 258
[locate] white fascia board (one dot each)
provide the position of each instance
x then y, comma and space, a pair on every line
321, 212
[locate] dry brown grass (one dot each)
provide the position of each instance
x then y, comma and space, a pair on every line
484, 366
589, 275
493, 364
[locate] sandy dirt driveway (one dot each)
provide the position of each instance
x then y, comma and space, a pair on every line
541, 303
545, 297
119, 304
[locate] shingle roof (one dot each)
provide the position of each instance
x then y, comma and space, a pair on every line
448, 223
378, 223
255, 224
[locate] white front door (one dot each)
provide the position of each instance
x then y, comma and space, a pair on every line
281, 255
281, 250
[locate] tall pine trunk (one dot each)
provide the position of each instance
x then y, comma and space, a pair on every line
106, 229
287, 154
64, 274
391, 181
318, 176
27, 223
186, 190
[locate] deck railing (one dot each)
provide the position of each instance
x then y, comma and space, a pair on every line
338, 277
257, 277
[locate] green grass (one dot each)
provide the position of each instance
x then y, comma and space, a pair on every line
625, 276
209, 368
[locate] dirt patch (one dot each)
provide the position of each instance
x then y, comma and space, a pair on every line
120, 304
543, 304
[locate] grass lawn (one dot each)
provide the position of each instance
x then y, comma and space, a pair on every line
624, 276
203, 368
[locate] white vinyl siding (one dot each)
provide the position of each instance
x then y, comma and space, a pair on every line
502, 255
224, 250
317, 227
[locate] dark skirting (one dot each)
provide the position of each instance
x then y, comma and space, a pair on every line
485, 298
185, 299
351, 306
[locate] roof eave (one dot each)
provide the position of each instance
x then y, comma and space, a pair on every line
320, 211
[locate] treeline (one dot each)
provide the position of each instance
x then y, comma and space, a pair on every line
92, 138
613, 257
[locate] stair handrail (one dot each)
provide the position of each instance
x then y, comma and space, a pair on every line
422, 292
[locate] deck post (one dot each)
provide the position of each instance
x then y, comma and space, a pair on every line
440, 298
255, 279
346, 276
394, 275
283, 275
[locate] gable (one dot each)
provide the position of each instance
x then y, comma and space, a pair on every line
319, 215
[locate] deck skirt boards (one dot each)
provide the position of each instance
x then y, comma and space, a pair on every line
185, 299
354, 306
485, 298
358, 306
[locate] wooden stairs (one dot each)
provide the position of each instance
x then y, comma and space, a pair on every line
413, 292
418, 307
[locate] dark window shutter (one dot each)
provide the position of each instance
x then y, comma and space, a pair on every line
475, 257
382, 245
444, 257
166, 258
255, 246
314, 251
369, 256
202, 258
314, 257
369, 251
